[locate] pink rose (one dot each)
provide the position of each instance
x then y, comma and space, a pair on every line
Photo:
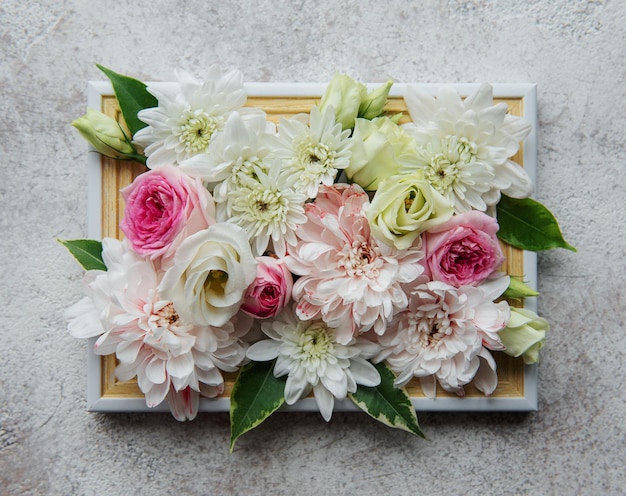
163, 207
463, 251
270, 291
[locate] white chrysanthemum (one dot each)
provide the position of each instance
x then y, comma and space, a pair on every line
189, 115
444, 335
465, 146
312, 154
149, 338
307, 352
239, 149
266, 208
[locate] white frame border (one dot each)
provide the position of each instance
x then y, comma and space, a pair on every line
527, 91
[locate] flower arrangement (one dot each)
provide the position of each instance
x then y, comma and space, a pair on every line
339, 254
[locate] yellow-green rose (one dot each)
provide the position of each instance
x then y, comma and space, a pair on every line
524, 335
403, 207
378, 148
105, 134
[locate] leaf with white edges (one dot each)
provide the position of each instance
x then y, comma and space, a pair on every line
388, 404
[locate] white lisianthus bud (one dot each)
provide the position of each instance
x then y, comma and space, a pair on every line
105, 134
345, 95
379, 147
524, 335
372, 106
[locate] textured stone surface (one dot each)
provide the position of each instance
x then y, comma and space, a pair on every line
573, 49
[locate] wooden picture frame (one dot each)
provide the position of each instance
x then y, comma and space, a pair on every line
517, 383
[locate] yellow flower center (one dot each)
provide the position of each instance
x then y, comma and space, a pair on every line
267, 206
216, 281
196, 132
446, 165
315, 345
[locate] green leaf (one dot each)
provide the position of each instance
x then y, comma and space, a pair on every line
388, 404
88, 252
132, 96
255, 396
518, 289
528, 225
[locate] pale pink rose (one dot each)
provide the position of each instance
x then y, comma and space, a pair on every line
464, 251
163, 207
270, 291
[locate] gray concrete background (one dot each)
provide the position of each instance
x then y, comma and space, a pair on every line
573, 49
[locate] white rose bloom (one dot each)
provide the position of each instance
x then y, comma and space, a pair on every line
211, 272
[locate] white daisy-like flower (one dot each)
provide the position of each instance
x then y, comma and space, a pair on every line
308, 353
465, 146
444, 336
189, 115
267, 208
239, 149
312, 153
170, 358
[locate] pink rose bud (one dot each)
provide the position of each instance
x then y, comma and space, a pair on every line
463, 251
163, 207
270, 291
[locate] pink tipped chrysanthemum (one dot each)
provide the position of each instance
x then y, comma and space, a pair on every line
347, 278
149, 338
444, 336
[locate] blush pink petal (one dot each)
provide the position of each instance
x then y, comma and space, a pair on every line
464, 250
163, 207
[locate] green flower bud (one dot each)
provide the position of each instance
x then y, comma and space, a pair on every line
373, 105
517, 289
105, 134
345, 95
524, 335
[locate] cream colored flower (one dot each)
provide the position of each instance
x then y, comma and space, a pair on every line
211, 272
524, 335
403, 207
311, 153
379, 149
308, 353
267, 208
190, 115
464, 147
